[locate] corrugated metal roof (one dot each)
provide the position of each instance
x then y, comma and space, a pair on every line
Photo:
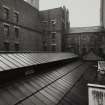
18, 60
44, 89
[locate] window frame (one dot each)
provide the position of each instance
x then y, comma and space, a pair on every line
54, 47
16, 32
6, 12
16, 46
8, 33
7, 46
16, 16
53, 35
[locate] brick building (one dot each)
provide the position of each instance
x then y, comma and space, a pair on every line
55, 23
82, 40
24, 28
20, 28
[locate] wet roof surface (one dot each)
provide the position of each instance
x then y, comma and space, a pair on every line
46, 89
78, 95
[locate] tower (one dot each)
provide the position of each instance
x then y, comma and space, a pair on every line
34, 3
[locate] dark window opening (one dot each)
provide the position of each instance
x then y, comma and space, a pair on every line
44, 46
6, 46
53, 41
53, 35
6, 30
16, 32
53, 48
16, 17
17, 47
6, 13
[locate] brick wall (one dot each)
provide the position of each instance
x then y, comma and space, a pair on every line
83, 42
28, 24
57, 15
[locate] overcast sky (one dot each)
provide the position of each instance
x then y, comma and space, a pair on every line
82, 13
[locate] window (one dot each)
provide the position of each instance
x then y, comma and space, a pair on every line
6, 30
44, 45
5, 12
16, 32
16, 17
53, 41
53, 35
6, 46
16, 47
53, 47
